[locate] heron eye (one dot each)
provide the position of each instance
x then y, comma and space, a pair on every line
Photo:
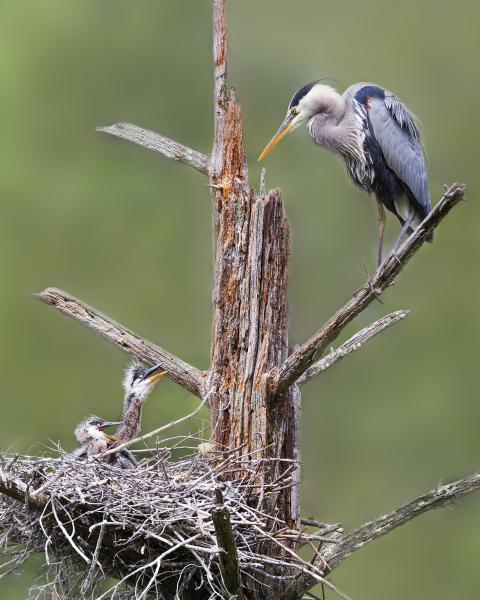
294, 111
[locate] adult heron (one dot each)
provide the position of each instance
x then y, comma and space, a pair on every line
377, 137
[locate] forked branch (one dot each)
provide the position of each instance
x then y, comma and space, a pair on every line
159, 143
149, 353
442, 495
301, 359
352, 344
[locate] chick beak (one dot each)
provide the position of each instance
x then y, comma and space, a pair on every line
284, 128
154, 374
110, 424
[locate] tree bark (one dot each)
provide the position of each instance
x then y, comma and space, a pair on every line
250, 308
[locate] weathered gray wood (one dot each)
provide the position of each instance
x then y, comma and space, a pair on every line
159, 143
147, 352
299, 361
352, 344
229, 563
220, 86
18, 490
439, 497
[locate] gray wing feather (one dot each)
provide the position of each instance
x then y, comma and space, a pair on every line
401, 115
399, 140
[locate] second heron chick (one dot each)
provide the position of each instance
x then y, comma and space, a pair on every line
139, 383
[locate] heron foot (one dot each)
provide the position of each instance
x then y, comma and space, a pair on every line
373, 289
394, 254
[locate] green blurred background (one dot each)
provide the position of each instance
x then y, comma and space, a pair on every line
130, 232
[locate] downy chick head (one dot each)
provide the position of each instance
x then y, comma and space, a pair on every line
92, 430
139, 381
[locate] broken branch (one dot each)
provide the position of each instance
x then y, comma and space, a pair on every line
181, 372
439, 497
229, 563
301, 359
159, 143
220, 85
352, 344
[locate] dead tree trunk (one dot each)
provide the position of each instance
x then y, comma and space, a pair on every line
252, 385
250, 307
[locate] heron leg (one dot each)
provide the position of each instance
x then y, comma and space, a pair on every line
406, 225
381, 230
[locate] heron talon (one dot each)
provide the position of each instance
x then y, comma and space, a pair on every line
374, 290
394, 254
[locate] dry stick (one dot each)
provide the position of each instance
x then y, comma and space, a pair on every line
18, 490
301, 359
229, 564
320, 524
95, 562
352, 344
181, 372
154, 141
49, 482
436, 498
155, 431
68, 536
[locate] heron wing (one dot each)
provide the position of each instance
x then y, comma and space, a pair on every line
399, 139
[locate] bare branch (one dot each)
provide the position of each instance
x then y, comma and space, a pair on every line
15, 488
229, 563
439, 497
299, 361
150, 434
154, 141
352, 344
182, 373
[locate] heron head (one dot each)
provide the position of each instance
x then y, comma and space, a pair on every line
141, 381
93, 429
310, 100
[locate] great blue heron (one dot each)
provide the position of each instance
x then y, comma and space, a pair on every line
94, 442
138, 383
377, 137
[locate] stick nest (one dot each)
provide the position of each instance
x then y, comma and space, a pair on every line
150, 527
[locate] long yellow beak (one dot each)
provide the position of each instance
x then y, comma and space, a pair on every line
154, 374
157, 377
282, 132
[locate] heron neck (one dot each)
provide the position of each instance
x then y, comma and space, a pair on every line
338, 107
132, 415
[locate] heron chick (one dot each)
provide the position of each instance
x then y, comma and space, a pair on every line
94, 442
139, 383
378, 139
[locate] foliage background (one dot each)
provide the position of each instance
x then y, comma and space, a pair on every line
129, 232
